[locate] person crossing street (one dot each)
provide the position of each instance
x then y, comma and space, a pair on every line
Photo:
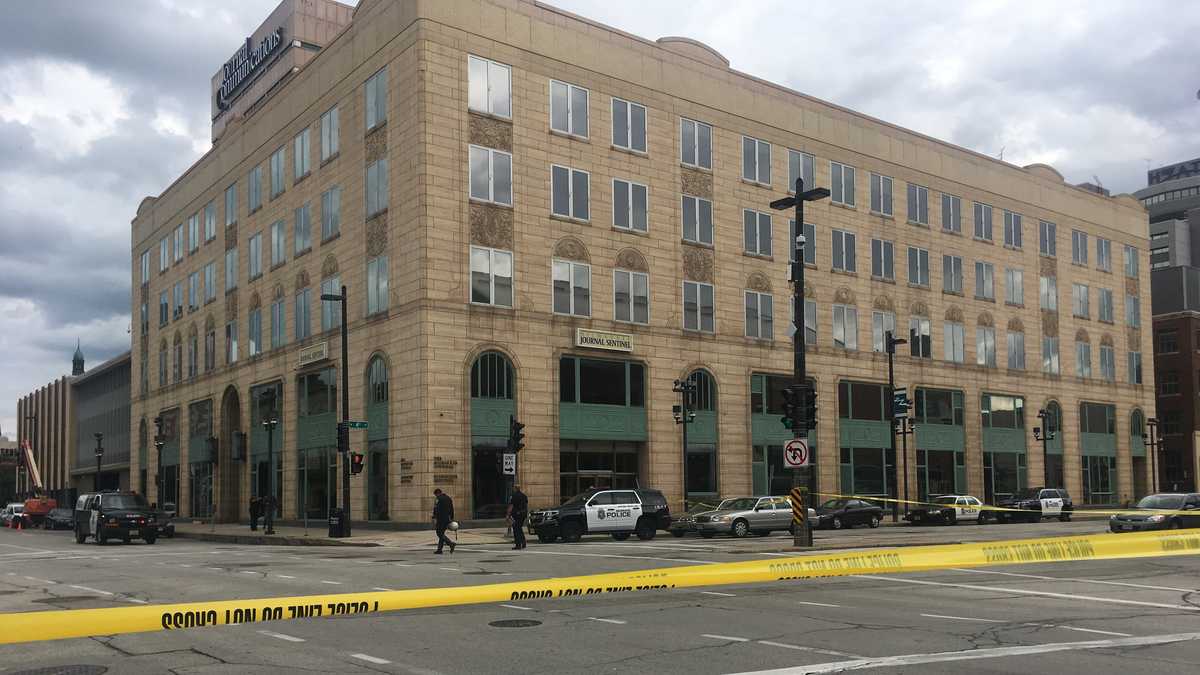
443, 515
518, 508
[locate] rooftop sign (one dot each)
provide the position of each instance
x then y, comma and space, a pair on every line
1173, 171
244, 63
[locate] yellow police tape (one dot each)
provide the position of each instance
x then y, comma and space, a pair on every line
1006, 509
54, 625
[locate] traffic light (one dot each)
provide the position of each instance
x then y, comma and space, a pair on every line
516, 435
356, 462
343, 437
810, 408
791, 408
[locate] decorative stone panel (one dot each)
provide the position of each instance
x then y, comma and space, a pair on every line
231, 306
698, 264
277, 294
1106, 340
696, 183
302, 281
491, 132
192, 330
492, 226
985, 320
255, 301
376, 144
1131, 286
209, 323
954, 313
329, 267
758, 282
810, 291
570, 248
632, 259
918, 308
377, 235
843, 296
1081, 335
231, 238
1050, 324
1134, 336
884, 304
1015, 325
1048, 267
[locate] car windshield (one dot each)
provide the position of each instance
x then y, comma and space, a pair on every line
1172, 502
739, 504
18, 508
834, 504
580, 498
1029, 493
123, 501
945, 500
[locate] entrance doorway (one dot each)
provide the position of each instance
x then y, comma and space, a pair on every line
488, 484
317, 471
230, 465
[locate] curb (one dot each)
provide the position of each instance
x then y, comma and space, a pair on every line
268, 540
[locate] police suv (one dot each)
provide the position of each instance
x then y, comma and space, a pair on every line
616, 512
1033, 504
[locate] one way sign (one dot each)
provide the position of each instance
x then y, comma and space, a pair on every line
795, 453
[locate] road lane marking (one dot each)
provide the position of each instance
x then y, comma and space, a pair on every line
215, 569
184, 565
284, 576
974, 654
802, 648
249, 572
281, 636
816, 604
92, 590
598, 555
381, 588
1024, 591
1082, 581
41, 581
723, 595
1081, 630
528, 609
370, 659
616, 621
727, 638
135, 600
961, 618
331, 583
449, 569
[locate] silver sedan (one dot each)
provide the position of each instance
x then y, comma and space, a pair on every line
743, 516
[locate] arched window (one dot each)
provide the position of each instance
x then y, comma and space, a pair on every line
1137, 426
492, 377
377, 381
1055, 415
705, 397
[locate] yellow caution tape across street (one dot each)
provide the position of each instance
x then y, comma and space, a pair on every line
54, 625
1007, 509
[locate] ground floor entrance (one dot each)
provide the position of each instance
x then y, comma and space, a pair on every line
316, 481
200, 485
489, 485
1099, 479
1003, 475
938, 473
1054, 471
585, 464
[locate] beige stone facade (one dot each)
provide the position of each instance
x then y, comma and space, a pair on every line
431, 333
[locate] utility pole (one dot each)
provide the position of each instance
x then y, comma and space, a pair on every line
1045, 434
344, 427
1153, 440
894, 411
684, 415
270, 421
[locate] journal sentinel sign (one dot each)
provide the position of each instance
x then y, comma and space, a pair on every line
245, 62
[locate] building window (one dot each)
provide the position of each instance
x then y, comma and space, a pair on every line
630, 206
756, 160
193, 227
254, 179
1012, 229
882, 323
1133, 311
841, 179
572, 286
810, 243
568, 108
145, 267
491, 175
301, 230
1050, 355
695, 141
1131, 262
1083, 359
1079, 301
1047, 244
375, 90
569, 190
331, 213
810, 322
883, 259
164, 254
1106, 305
631, 296
377, 187
300, 155
918, 266
697, 220
698, 309
177, 307
331, 310
760, 315
255, 343
843, 251
303, 314
210, 221
164, 308
1168, 341
951, 213
985, 346
953, 338
377, 284
179, 243
256, 256
1014, 286
1168, 383
800, 165
231, 342
628, 125
491, 277
329, 133
1103, 254
1108, 364
845, 327
756, 230
952, 274
983, 222
985, 282
1135, 367
278, 242
194, 291
881, 194
489, 87
162, 365
920, 343
1079, 247
145, 318
1016, 350
1048, 293
278, 324
231, 205
918, 204
210, 351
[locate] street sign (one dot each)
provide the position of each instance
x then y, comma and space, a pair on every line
356, 424
795, 453
899, 403
510, 464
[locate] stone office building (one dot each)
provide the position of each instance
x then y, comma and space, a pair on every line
540, 216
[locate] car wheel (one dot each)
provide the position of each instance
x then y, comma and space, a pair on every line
171, 533
80, 537
1064, 518
547, 538
952, 519
874, 522
918, 519
708, 535
571, 531
678, 533
983, 518
740, 528
620, 536
151, 539
645, 529
836, 523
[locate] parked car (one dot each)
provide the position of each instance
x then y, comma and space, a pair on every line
169, 509
114, 515
687, 522
1142, 517
59, 519
843, 513
1038, 503
948, 510
617, 512
11, 511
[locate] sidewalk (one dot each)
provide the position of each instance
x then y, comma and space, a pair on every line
295, 535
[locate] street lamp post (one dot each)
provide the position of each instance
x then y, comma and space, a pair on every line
158, 449
1045, 434
343, 442
686, 388
889, 342
907, 427
269, 423
1153, 440
99, 457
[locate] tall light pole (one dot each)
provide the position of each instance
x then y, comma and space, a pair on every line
1153, 440
686, 388
1045, 434
269, 423
99, 456
889, 342
343, 428
158, 449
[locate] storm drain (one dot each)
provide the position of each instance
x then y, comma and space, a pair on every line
64, 670
514, 623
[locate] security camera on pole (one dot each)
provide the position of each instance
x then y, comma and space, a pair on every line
800, 399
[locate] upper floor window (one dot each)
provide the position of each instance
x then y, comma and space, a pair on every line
179, 243
145, 267
1079, 247
882, 323
801, 165
569, 191
568, 108
952, 274
630, 206
490, 87
256, 256
231, 269
210, 221
698, 307
760, 315
572, 286
883, 263
277, 173
845, 327
881, 194
1014, 286
756, 160
951, 213
164, 254
491, 175
1105, 300
1012, 229
1135, 367
810, 243
254, 188
1131, 261
983, 221
985, 346
1080, 305
377, 284
920, 344
300, 155
302, 230
278, 242
1050, 363
331, 212
756, 230
1048, 293
329, 133
376, 95
1108, 364
841, 184
985, 283
377, 187
918, 204
1168, 341
1047, 238
629, 125
1133, 310
491, 276
1083, 359
303, 313
278, 324
952, 339
1103, 254
843, 251
331, 311
231, 205
193, 228
697, 220
918, 266
631, 296
695, 142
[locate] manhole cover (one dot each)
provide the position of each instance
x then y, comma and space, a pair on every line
498, 560
514, 623
65, 670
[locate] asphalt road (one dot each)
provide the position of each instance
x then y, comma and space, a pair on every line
1093, 617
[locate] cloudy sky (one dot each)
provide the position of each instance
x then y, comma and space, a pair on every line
106, 101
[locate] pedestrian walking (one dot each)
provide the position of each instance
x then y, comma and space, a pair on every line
268, 508
443, 515
518, 508
255, 512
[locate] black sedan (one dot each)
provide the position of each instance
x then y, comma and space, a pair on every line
836, 514
1159, 512
59, 519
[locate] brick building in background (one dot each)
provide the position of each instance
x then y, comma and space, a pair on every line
540, 216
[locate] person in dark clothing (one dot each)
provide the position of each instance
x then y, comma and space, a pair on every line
255, 512
443, 515
268, 506
518, 508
